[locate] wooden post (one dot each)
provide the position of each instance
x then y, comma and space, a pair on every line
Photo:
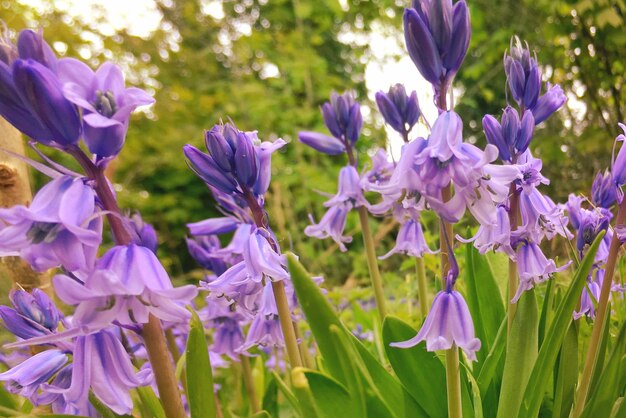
15, 190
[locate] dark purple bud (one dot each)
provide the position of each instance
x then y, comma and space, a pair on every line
202, 250
549, 103
230, 135
18, 113
341, 105
390, 112
330, 120
355, 123
37, 307
459, 43
412, 112
42, 91
246, 170
219, 148
322, 143
440, 22
510, 126
603, 190
422, 47
533, 88
618, 167
146, 235
517, 80
493, 132
207, 169
31, 45
525, 134
19, 325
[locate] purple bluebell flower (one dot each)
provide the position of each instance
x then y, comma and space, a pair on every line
513, 135
590, 296
400, 111
523, 74
496, 237
106, 104
60, 227
437, 36
322, 143
261, 260
342, 116
101, 364
410, 240
202, 249
532, 265
27, 377
41, 92
448, 322
332, 225
145, 235
127, 284
381, 171
618, 165
603, 190
213, 226
31, 45
37, 307
205, 167
548, 103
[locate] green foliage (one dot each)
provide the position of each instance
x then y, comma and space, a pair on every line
199, 373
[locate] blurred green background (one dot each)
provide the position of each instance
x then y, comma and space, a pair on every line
269, 64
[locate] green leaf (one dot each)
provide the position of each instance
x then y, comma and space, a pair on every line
150, 401
282, 386
567, 376
104, 410
262, 414
534, 390
331, 397
321, 317
483, 299
199, 373
521, 353
488, 371
300, 385
270, 397
601, 401
422, 374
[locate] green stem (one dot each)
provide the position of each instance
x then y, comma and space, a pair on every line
372, 263
422, 288
152, 332
601, 315
248, 382
513, 221
453, 383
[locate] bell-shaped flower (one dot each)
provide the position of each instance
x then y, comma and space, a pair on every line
105, 101
618, 165
590, 296
532, 265
448, 322
127, 285
202, 249
410, 240
27, 377
496, 237
332, 225
60, 227
33, 315
400, 111
262, 261
144, 233
101, 365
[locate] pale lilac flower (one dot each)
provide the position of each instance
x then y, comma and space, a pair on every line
60, 227
105, 102
27, 378
127, 285
410, 240
332, 225
496, 237
590, 296
448, 322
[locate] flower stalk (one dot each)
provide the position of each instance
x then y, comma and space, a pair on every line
248, 381
595, 342
152, 332
513, 220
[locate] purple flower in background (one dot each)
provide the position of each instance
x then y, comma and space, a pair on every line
60, 227
410, 240
496, 237
590, 296
618, 165
37, 307
105, 102
603, 190
127, 284
523, 74
437, 36
203, 249
146, 236
400, 111
332, 225
322, 143
448, 322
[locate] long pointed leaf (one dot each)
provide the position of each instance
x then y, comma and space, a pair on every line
534, 391
199, 374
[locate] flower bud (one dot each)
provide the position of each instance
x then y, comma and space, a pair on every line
31, 45
603, 190
220, 149
322, 143
207, 169
245, 161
